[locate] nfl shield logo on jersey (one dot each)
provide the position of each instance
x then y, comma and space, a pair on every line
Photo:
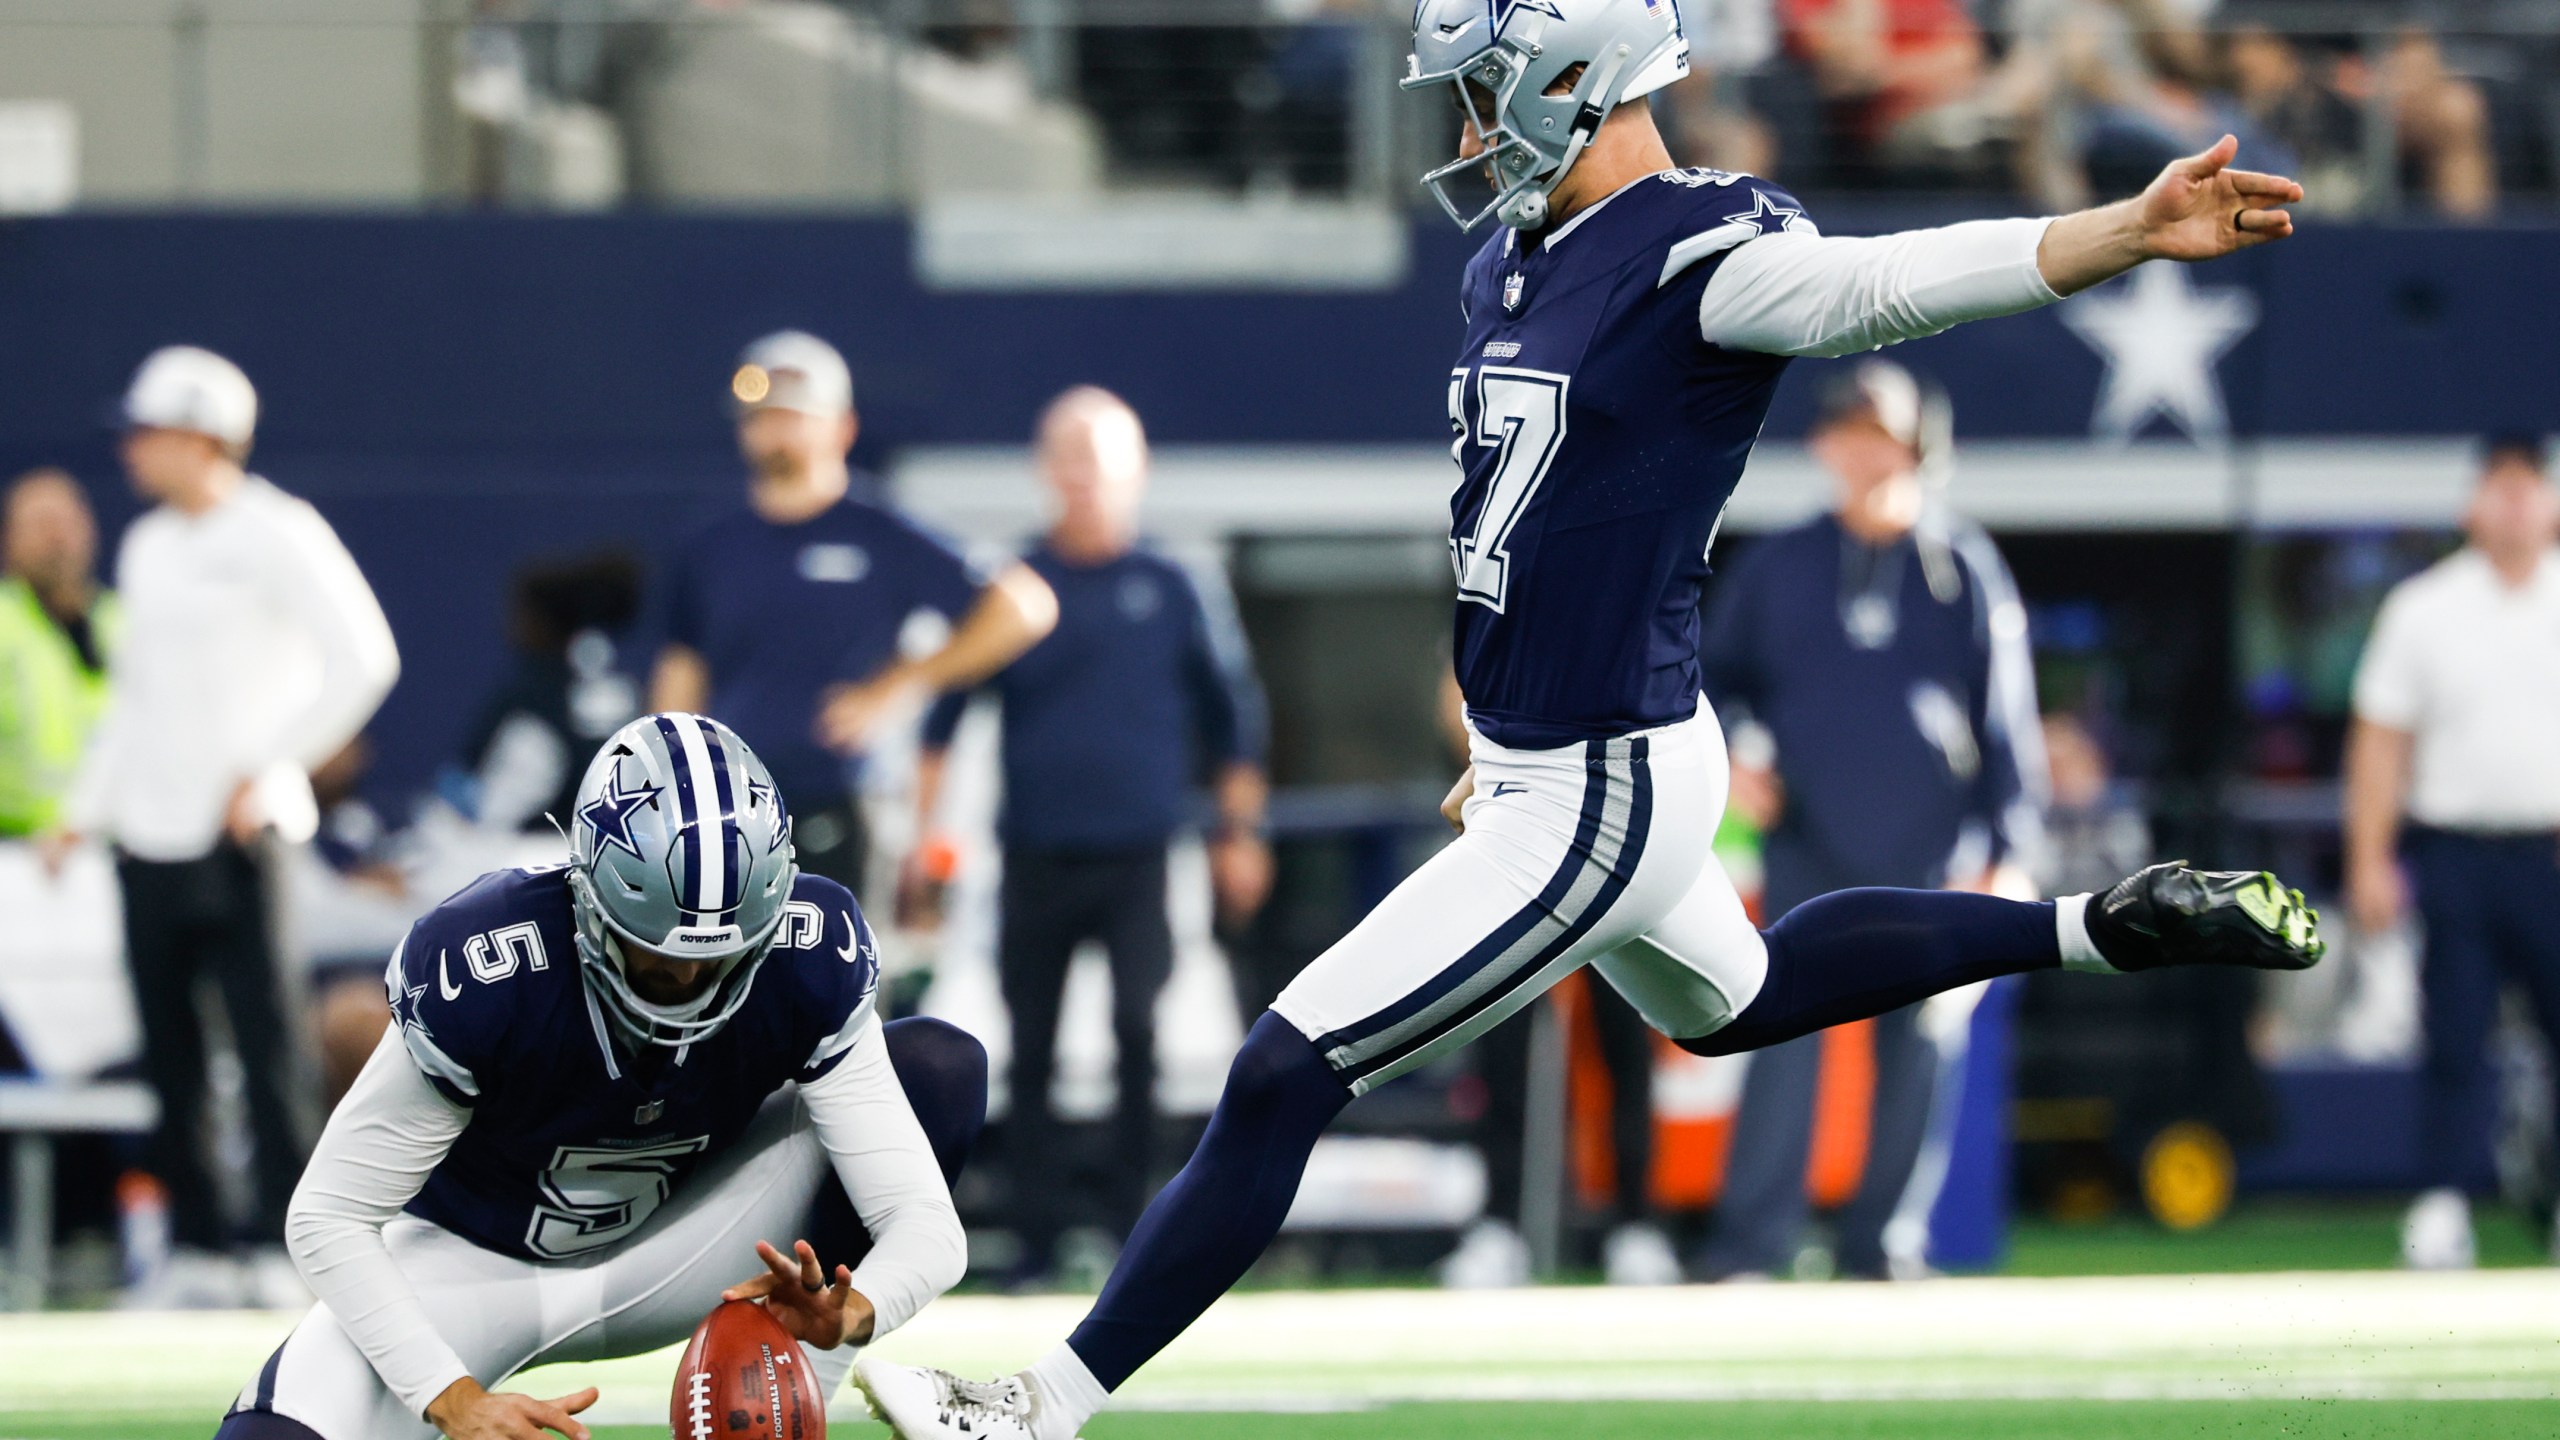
1512, 286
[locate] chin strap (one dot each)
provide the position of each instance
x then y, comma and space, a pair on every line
1528, 211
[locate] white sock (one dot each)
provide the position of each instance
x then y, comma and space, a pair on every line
2071, 927
1069, 1395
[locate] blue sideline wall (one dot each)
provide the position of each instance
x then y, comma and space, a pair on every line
460, 393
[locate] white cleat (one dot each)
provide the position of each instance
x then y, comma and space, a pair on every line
2437, 1233
1638, 1253
1490, 1256
923, 1404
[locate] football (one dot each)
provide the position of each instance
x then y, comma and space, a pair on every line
743, 1378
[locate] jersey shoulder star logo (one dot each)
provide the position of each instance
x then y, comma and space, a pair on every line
609, 815
1767, 216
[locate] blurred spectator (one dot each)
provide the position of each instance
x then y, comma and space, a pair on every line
2094, 833
57, 629
2284, 88
1720, 116
1903, 80
1883, 648
567, 692
2441, 120
1107, 723
2456, 706
2128, 86
252, 650
785, 618
348, 1003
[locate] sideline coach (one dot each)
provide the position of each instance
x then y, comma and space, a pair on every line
1105, 726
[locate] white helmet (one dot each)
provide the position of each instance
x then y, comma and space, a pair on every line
1501, 56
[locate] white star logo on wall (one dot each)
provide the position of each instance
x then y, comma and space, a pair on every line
2161, 338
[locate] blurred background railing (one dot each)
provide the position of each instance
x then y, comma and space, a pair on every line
2384, 107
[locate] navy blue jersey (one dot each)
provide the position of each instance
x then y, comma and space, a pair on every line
573, 1141
1600, 435
781, 612
1107, 719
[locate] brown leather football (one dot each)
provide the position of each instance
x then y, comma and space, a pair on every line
743, 1378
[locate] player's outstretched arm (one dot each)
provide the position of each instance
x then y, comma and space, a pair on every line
1797, 293
2199, 209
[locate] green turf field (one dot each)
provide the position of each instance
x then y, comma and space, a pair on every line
1758, 1420
2282, 1323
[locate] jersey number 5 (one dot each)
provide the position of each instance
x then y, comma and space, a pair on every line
1519, 416
592, 1196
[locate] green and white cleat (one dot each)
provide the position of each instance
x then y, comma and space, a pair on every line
2174, 914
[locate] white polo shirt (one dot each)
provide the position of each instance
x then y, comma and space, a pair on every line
252, 650
2471, 666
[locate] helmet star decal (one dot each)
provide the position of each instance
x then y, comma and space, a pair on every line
609, 814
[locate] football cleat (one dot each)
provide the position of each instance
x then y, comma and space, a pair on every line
2174, 914
924, 1404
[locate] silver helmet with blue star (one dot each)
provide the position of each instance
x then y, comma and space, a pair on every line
1534, 79
679, 846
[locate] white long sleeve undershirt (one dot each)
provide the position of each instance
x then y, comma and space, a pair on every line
394, 1127
391, 1130
1802, 294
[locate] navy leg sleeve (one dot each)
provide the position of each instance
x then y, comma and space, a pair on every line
1857, 954
1212, 1221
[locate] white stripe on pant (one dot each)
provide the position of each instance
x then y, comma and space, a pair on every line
1571, 856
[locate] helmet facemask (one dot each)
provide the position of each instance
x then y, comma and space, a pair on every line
1511, 90
601, 957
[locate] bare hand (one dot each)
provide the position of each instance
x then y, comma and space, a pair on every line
794, 1287
242, 819
467, 1412
54, 848
1757, 795
2200, 208
1454, 808
851, 715
2377, 894
1239, 875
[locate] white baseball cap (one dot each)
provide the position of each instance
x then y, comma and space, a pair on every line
792, 370
181, 387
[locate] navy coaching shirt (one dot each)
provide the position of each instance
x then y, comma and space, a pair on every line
1107, 720
1904, 716
781, 612
1600, 435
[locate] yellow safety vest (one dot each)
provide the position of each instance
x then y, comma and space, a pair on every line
49, 702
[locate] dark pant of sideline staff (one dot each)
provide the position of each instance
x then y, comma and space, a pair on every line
187, 921
1053, 902
2491, 907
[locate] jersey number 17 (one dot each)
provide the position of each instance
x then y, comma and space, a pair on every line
1519, 415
